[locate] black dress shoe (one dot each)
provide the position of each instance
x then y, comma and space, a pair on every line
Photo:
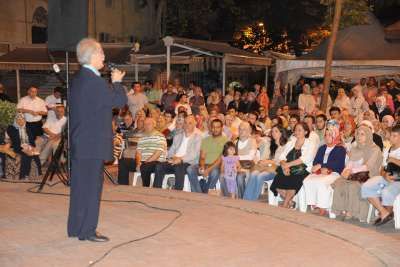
377, 221
95, 238
386, 219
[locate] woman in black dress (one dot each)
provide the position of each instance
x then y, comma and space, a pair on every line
295, 165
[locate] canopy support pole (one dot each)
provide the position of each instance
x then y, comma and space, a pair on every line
223, 75
168, 62
136, 72
18, 84
266, 77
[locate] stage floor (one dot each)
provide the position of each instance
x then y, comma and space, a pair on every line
212, 231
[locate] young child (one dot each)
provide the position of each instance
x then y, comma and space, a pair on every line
229, 167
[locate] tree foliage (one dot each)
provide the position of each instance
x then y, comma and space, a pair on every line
288, 25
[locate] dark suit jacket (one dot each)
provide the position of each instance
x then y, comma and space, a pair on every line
91, 103
13, 133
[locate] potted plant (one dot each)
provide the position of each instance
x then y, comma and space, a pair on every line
7, 115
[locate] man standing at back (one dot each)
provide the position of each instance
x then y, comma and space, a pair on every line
91, 103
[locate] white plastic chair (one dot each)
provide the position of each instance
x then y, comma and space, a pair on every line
136, 175
396, 211
299, 198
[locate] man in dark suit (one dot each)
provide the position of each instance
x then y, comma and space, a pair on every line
91, 103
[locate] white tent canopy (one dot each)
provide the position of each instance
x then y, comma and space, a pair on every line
342, 70
360, 51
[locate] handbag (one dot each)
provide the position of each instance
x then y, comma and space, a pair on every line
360, 177
298, 169
271, 168
247, 164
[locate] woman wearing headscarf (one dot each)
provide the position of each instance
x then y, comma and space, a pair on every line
365, 159
347, 133
328, 164
342, 101
385, 129
358, 104
380, 107
22, 143
306, 102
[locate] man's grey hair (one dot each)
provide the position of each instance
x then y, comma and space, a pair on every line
85, 49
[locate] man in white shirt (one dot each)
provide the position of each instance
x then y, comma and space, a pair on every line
53, 129
247, 152
381, 191
185, 150
52, 101
33, 108
137, 100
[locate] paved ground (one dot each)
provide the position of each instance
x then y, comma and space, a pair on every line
212, 231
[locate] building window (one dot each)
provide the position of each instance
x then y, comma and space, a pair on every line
39, 26
104, 37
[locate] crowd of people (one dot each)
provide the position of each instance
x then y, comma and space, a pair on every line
344, 158
34, 135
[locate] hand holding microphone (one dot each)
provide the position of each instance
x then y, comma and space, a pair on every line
116, 74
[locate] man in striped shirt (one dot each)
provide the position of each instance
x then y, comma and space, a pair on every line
151, 150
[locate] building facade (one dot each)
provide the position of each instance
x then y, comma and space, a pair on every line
26, 21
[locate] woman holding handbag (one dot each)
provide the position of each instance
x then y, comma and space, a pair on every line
365, 159
265, 169
295, 164
327, 167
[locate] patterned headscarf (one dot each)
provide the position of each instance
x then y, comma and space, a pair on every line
21, 129
333, 127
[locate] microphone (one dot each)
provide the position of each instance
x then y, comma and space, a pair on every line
111, 66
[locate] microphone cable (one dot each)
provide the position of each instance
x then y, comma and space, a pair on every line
119, 245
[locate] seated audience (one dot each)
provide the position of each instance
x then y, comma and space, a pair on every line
342, 101
382, 190
33, 108
131, 134
183, 103
327, 167
151, 150
380, 108
265, 169
22, 142
295, 165
168, 99
53, 130
196, 100
210, 159
185, 151
306, 102
247, 151
137, 100
365, 159
249, 104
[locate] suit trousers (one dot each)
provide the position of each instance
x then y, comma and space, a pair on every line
84, 205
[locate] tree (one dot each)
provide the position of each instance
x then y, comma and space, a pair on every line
329, 54
353, 12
